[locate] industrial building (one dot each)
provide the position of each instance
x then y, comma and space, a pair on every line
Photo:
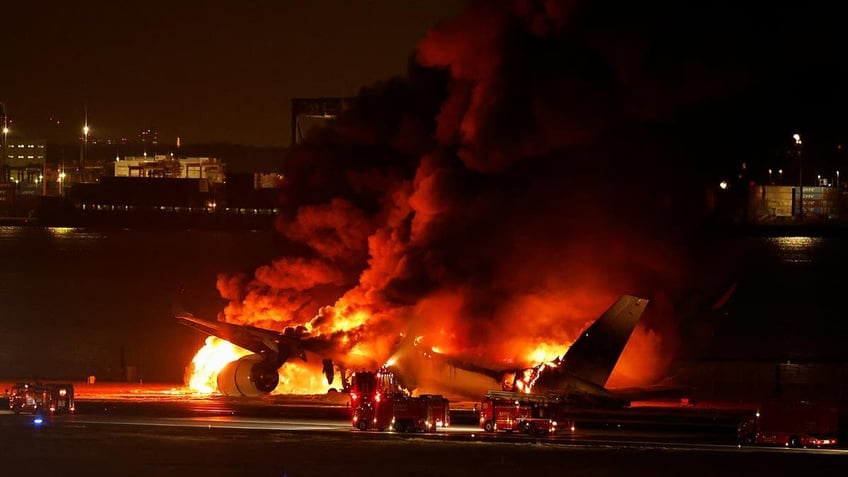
207, 168
775, 203
23, 164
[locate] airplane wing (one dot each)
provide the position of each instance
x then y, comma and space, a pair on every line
272, 347
652, 393
258, 340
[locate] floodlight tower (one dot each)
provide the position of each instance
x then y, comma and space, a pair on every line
798, 144
5, 136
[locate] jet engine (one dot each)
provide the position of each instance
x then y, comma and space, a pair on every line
248, 376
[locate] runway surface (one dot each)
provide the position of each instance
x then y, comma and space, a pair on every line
153, 433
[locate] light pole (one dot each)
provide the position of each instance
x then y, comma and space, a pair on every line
797, 138
771, 182
5, 135
3, 159
837, 182
780, 175
84, 149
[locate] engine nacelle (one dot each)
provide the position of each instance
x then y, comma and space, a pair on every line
248, 376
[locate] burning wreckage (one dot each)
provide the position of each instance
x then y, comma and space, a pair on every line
485, 207
580, 374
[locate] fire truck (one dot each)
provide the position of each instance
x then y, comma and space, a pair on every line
527, 413
378, 403
791, 424
38, 397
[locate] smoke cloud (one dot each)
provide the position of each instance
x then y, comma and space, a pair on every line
523, 175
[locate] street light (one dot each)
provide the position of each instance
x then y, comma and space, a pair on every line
837, 181
797, 138
84, 149
770, 181
3, 159
3, 151
780, 173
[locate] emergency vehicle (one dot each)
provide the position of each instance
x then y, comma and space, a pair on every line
378, 403
38, 397
527, 413
791, 424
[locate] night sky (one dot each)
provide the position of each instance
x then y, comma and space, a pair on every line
205, 71
226, 72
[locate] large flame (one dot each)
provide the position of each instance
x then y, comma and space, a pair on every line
295, 377
546, 352
208, 362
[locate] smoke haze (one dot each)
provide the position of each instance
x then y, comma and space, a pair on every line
532, 167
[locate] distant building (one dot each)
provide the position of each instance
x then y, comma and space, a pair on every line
767, 203
311, 112
208, 168
24, 163
149, 138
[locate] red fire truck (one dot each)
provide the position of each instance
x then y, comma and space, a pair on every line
791, 424
35, 397
377, 403
527, 413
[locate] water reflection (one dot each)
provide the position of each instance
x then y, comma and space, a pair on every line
795, 249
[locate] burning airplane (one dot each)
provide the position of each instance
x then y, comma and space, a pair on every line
581, 373
494, 201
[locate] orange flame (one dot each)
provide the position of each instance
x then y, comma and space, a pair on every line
209, 361
546, 353
295, 377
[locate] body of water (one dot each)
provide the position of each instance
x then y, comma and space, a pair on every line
77, 302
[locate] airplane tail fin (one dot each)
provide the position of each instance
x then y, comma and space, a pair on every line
594, 355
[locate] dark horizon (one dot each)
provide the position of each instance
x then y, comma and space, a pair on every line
742, 79
203, 72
